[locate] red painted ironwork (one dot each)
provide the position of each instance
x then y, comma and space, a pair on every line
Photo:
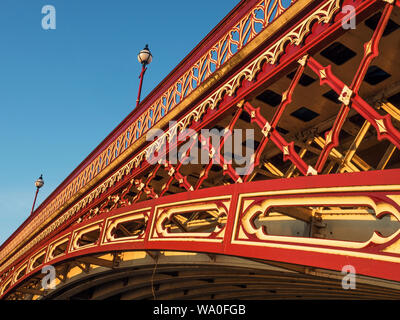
248, 22
370, 52
34, 201
140, 84
295, 45
261, 79
234, 237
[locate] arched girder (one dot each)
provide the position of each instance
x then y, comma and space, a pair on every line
247, 222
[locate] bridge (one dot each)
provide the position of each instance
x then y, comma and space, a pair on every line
319, 194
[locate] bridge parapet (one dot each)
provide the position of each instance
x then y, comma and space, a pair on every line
292, 222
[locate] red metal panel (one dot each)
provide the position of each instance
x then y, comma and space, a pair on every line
369, 258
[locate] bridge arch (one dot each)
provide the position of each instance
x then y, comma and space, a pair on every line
231, 223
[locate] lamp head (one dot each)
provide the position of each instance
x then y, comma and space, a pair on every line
39, 182
145, 57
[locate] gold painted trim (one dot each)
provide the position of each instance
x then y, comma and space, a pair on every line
224, 70
113, 221
379, 208
323, 14
162, 216
76, 234
35, 256
54, 244
322, 250
395, 187
158, 208
309, 191
15, 275
10, 281
217, 240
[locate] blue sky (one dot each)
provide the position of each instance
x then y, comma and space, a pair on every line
62, 91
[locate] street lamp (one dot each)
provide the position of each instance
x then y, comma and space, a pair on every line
38, 183
144, 57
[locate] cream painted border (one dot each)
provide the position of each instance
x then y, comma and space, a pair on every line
144, 211
323, 250
388, 188
9, 282
77, 233
156, 216
308, 191
323, 14
15, 275
320, 201
56, 242
35, 256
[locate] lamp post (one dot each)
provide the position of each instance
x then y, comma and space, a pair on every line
144, 57
38, 183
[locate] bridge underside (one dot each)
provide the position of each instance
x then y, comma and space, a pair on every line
167, 275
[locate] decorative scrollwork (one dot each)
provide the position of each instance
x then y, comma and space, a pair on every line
322, 14
196, 220
307, 208
126, 227
257, 19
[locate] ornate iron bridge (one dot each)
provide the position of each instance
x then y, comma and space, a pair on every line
322, 190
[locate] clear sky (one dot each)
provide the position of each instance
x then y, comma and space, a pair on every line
62, 91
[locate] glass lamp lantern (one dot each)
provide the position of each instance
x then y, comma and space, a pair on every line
39, 182
145, 57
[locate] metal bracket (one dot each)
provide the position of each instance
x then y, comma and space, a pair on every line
345, 96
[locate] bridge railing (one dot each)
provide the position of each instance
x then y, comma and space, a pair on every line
239, 28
